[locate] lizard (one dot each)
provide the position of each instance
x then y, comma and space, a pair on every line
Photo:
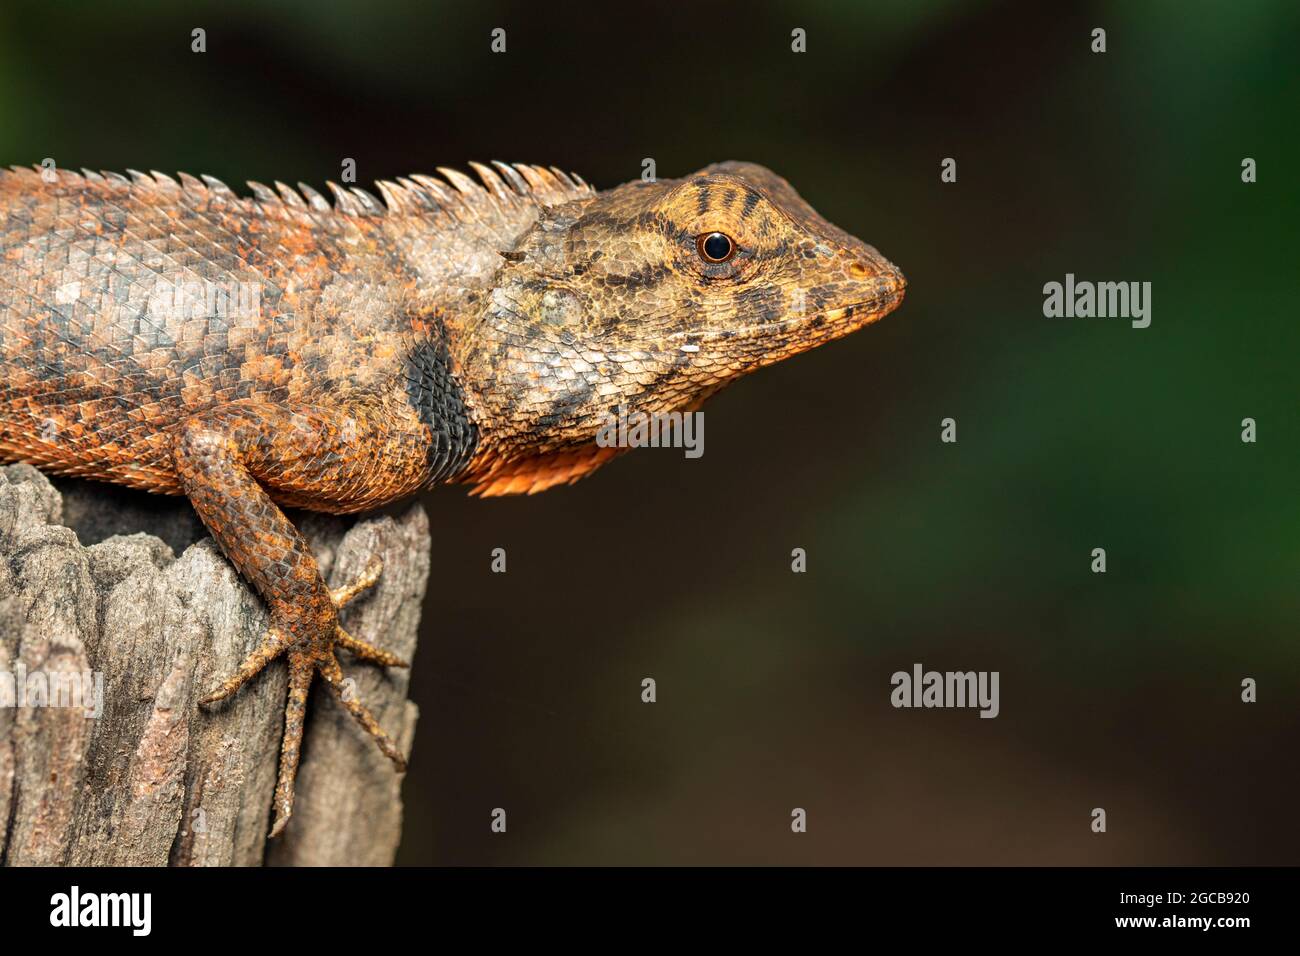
282, 350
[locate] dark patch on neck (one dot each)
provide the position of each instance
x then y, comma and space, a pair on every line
439, 401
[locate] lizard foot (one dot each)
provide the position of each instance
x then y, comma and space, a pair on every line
310, 651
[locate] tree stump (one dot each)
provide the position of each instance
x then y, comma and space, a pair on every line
115, 762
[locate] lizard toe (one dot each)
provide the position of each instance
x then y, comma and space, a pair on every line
344, 596
365, 651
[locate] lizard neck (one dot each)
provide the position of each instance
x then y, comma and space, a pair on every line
535, 393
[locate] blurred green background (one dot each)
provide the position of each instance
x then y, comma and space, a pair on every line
1118, 690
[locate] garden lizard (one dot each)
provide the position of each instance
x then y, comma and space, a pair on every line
283, 350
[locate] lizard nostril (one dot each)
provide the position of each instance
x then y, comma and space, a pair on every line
858, 270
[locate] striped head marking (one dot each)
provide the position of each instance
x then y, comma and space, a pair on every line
654, 295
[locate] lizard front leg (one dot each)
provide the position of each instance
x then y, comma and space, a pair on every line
226, 460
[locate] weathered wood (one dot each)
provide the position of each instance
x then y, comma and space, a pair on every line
153, 778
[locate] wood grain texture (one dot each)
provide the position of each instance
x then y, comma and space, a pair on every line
155, 779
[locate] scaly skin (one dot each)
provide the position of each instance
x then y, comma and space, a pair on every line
457, 332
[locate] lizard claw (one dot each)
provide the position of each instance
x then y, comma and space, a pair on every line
311, 651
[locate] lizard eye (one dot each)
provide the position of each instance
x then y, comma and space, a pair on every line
715, 247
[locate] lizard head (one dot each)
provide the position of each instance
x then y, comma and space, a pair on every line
652, 296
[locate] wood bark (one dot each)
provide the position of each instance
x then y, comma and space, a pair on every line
151, 777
